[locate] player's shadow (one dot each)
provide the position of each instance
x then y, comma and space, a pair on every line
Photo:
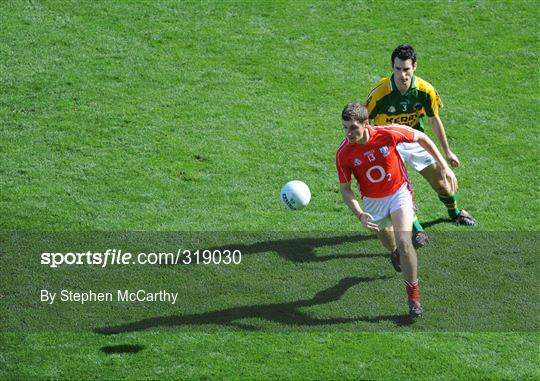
436, 221
301, 250
122, 348
288, 313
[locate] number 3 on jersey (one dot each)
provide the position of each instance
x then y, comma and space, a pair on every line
376, 174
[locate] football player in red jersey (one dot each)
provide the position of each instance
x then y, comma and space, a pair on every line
369, 154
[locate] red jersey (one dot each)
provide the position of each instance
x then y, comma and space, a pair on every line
376, 165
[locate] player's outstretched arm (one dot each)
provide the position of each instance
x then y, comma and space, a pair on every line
350, 200
438, 129
432, 149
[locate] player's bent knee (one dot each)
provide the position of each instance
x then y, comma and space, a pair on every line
404, 244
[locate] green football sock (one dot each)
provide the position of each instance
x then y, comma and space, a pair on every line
451, 204
417, 227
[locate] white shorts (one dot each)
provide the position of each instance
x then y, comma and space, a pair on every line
381, 208
416, 156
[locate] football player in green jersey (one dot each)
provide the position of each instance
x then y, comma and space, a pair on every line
407, 99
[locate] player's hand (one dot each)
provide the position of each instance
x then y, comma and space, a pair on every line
367, 220
452, 159
450, 179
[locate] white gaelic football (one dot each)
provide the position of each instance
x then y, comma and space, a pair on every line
295, 195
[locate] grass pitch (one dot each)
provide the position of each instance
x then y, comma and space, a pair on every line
166, 116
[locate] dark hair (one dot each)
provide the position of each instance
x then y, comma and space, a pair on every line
404, 52
354, 111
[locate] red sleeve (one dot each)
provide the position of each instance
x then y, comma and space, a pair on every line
343, 170
401, 134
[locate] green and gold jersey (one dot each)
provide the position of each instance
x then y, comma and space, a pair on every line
387, 105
